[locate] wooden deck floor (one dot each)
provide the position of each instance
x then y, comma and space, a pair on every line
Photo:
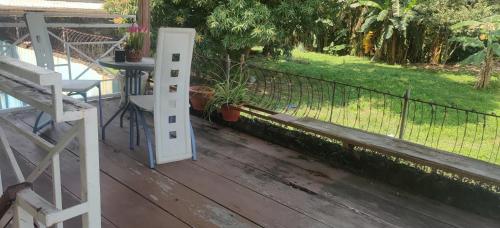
238, 181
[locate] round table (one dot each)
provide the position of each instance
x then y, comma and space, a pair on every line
133, 72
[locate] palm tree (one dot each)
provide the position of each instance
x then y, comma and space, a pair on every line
387, 17
485, 35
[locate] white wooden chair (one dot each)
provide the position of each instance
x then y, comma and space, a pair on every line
174, 137
44, 57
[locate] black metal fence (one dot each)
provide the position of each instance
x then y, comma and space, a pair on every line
456, 130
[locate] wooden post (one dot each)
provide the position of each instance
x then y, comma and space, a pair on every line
56, 185
22, 219
143, 19
89, 168
404, 114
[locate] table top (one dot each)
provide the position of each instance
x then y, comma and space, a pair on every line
146, 64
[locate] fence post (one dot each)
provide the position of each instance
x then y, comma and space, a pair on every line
404, 113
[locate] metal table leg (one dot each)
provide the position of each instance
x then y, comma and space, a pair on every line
130, 88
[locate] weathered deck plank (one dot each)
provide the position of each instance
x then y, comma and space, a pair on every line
122, 206
43, 186
288, 166
357, 194
465, 166
243, 181
246, 202
185, 204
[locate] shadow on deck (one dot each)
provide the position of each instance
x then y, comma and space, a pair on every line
238, 181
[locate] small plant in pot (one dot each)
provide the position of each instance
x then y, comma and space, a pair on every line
135, 43
200, 96
229, 94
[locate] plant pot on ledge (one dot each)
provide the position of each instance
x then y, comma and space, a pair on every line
200, 96
133, 55
230, 113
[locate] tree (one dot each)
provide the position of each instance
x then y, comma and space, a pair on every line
241, 25
484, 35
121, 7
187, 13
391, 22
437, 16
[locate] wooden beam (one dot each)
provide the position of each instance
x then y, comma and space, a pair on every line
143, 19
4, 145
449, 162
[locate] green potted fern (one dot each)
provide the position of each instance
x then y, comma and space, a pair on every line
230, 93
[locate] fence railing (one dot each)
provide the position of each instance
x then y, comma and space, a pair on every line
72, 39
453, 129
81, 40
41, 89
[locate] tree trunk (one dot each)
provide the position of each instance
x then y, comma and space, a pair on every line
437, 47
354, 40
143, 19
380, 47
485, 73
393, 48
416, 38
320, 42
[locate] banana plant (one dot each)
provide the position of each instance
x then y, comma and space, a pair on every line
387, 16
483, 35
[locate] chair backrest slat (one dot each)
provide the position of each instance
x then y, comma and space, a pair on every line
40, 40
172, 73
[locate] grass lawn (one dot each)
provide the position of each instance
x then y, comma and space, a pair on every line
469, 134
447, 88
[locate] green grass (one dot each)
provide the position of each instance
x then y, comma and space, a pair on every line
447, 88
476, 137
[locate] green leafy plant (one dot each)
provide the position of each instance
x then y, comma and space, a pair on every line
241, 24
121, 7
135, 40
229, 89
335, 49
484, 36
391, 19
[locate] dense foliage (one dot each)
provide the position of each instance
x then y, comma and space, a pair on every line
121, 7
393, 31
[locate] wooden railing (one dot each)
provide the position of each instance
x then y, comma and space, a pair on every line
41, 89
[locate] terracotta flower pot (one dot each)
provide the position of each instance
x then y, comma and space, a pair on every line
133, 55
230, 113
199, 96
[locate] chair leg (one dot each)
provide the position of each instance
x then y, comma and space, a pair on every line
131, 131
38, 126
103, 129
138, 135
193, 143
123, 114
84, 95
148, 140
37, 121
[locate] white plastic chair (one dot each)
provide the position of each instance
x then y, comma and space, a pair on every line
44, 58
174, 137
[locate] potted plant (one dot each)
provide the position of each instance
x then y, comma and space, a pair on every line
200, 96
134, 43
229, 94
